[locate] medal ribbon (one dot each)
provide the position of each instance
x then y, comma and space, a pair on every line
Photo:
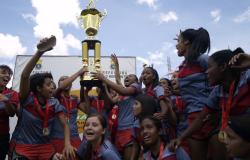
68, 105
45, 116
160, 157
226, 106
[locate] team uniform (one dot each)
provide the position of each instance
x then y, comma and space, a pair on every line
105, 152
240, 100
31, 142
194, 90
4, 121
164, 154
57, 136
158, 94
126, 119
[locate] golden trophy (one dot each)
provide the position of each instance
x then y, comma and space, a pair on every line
90, 20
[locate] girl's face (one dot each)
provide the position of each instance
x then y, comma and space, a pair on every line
236, 146
4, 77
215, 73
130, 79
93, 129
47, 89
149, 132
181, 46
164, 83
137, 108
147, 76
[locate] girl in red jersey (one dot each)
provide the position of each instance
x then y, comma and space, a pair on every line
8, 106
38, 111
155, 148
231, 94
98, 147
192, 83
71, 105
150, 79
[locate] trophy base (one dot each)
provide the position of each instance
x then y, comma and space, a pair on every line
91, 83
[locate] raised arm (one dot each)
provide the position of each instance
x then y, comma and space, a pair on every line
84, 98
43, 46
126, 91
66, 82
240, 61
113, 99
117, 70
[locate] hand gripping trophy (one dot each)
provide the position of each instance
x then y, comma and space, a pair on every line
90, 20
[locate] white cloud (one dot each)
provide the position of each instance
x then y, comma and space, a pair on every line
50, 17
73, 41
150, 3
159, 59
10, 46
216, 15
142, 60
167, 17
29, 17
245, 16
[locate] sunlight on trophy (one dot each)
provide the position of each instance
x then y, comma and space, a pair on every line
90, 20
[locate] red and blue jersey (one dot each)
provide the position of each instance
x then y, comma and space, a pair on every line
70, 107
241, 98
106, 151
157, 92
166, 155
4, 117
126, 118
30, 122
193, 84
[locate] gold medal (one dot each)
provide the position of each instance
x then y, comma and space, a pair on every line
46, 131
222, 136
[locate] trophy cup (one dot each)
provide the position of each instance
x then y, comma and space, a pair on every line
90, 20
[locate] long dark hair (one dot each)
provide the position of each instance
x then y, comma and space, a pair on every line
156, 75
222, 58
148, 105
89, 149
199, 42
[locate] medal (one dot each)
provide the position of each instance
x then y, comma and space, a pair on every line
222, 136
46, 131
45, 116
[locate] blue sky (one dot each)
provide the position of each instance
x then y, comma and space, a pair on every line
141, 28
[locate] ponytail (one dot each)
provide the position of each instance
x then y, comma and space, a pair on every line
199, 42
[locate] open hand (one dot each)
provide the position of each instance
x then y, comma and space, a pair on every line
98, 75
69, 152
240, 61
174, 144
114, 59
46, 44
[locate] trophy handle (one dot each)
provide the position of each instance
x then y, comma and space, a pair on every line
102, 15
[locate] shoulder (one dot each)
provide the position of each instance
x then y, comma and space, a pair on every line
203, 60
109, 152
167, 153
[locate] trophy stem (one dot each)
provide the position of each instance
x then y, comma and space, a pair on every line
97, 56
85, 54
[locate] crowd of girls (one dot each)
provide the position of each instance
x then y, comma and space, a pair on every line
201, 113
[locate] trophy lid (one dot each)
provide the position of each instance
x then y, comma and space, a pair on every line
92, 11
